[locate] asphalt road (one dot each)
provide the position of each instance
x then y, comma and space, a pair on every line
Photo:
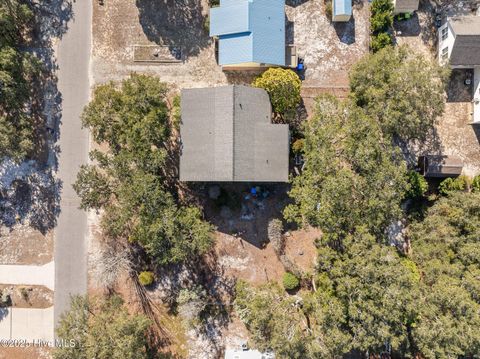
73, 59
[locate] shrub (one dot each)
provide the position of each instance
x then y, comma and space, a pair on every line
476, 184
290, 281
297, 146
146, 278
206, 24
450, 185
214, 3
381, 6
418, 185
380, 41
328, 10
283, 87
381, 22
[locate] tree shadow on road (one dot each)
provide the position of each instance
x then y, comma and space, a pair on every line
174, 23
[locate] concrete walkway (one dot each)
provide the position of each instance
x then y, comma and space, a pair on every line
28, 275
73, 73
28, 324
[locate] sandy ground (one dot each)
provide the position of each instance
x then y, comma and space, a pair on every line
25, 245
25, 353
28, 296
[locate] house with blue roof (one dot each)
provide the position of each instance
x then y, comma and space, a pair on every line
251, 33
342, 10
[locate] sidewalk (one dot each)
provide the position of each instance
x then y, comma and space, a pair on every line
28, 275
29, 324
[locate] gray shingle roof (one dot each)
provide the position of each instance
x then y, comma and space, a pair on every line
227, 135
466, 49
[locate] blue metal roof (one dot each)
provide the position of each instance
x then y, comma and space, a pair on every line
342, 7
249, 31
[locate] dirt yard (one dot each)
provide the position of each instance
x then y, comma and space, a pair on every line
33, 296
25, 245
454, 134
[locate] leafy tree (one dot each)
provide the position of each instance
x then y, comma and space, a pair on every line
382, 16
380, 41
283, 87
102, 329
418, 185
451, 185
131, 181
365, 297
352, 176
18, 71
401, 89
446, 249
476, 183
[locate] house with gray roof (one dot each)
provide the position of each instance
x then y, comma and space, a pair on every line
250, 33
405, 6
227, 136
459, 47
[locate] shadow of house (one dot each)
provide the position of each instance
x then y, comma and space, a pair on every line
243, 215
410, 27
178, 24
458, 90
295, 3
345, 31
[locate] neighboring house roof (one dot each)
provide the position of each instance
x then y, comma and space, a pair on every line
249, 31
405, 5
466, 48
227, 135
342, 7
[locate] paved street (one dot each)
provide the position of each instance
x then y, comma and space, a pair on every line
73, 82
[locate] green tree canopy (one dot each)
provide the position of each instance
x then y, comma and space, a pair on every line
131, 181
101, 329
352, 176
364, 298
18, 70
446, 248
401, 89
283, 87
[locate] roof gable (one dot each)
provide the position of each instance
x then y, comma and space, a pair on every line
250, 31
227, 135
466, 47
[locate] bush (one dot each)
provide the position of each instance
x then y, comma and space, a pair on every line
476, 184
328, 10
290, 281
297, 146
450, 185
380, 41
381, 6
206, 24
214, 3
418, 185
283, 87
146, 278
381, 22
